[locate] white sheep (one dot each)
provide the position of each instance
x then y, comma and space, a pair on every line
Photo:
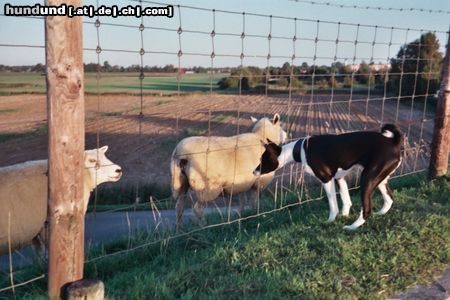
211, 166
23, 197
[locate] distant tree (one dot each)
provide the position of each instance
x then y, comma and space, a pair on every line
251, 77
321, 70
90, 67
169, 69
106, 66
285, 69
421, 55
362, 75
337, 67
38, 68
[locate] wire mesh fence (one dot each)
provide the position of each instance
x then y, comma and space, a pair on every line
320, 76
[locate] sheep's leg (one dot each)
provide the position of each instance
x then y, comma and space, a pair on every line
345, 196
242, 201
181, 198
180, 209
198, 210
38, 244
254, 199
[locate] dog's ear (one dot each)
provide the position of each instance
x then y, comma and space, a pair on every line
262, 143
269, 141
254, 120
276, 119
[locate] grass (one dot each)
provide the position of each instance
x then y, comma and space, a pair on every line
194, 131
128, 83
291, 254
41, 129
21, 83
124, 195
223, 117
8, 110
112, 83
111, 114
162, 102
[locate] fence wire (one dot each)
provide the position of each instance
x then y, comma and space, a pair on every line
378, 8
311, 102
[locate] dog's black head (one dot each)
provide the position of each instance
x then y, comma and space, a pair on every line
269, 159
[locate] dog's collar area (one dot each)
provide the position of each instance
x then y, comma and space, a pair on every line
297, 150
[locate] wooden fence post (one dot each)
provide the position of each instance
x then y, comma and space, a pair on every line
65, 112
441, 136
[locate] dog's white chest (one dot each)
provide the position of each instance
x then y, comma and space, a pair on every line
305, 165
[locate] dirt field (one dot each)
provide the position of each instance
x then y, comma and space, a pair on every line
143, 145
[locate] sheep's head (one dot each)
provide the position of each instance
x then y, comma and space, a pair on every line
100, 168
270, 129
269, 159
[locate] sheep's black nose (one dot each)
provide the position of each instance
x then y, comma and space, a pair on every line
119, 171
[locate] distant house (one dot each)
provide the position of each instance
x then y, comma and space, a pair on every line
379, 67
273, 80
373, 67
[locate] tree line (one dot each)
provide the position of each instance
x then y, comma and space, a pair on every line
415, 69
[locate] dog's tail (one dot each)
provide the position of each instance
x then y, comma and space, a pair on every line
392, 131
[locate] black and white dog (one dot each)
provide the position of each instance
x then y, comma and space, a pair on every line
330, 157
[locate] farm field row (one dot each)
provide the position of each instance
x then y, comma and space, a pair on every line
142, 145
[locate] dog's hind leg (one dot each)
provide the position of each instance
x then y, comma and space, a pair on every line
368, 183
371, 177
357, 223
330, 189
345, 196
386, 193
387, 197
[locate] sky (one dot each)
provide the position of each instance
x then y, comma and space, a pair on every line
120, 45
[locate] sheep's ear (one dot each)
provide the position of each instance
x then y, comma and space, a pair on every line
254, 120
103, 149
276, 119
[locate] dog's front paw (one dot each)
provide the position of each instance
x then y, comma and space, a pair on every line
383, 210
350, 227
345, 211
356, 224
331, 218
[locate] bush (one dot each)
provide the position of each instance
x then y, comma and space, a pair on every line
228, 82
283, 82
322, 84
347, 81
297, 83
